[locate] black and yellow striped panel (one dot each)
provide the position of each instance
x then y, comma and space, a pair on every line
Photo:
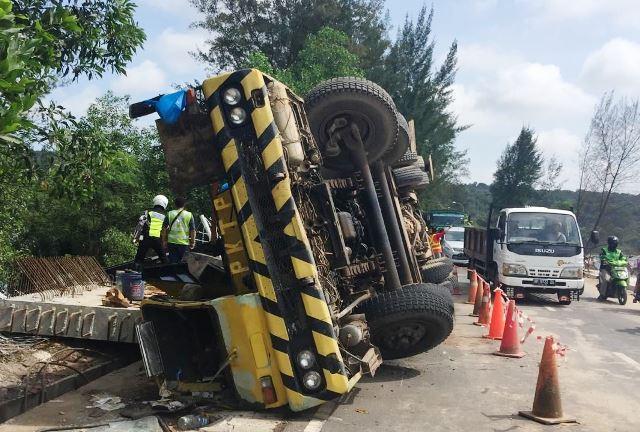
266, 140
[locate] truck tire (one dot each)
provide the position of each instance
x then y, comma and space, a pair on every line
410, 177
453, 280
410, 157
420, 163
409, 320
360, 101
401, 145
436, 271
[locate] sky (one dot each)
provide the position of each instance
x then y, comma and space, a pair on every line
537, 63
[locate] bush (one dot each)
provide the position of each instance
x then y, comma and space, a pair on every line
116, 247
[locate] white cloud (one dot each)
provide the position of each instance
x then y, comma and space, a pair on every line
515, 91
499, 92
172, 48
76, 99
624, 13
614, 66
146, 79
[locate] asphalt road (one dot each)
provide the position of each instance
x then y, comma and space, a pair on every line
458, 386
461, 386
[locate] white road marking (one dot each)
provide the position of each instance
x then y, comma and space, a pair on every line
627, 359
550, 308
323, 413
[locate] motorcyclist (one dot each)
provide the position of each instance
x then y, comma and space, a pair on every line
607, 255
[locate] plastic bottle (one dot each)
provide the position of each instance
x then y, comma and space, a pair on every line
192, 421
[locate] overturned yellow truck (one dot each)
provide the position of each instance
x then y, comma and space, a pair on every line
321, 278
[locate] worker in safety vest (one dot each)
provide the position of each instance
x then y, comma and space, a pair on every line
149, 234
436, 246
180, 231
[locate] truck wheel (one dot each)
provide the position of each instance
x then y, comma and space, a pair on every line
359, 101
410, 320
436, 271
410, 157
411, 177
402, 142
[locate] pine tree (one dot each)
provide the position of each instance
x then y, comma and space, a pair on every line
519, 168
422, 92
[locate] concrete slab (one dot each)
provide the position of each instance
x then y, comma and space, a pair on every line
81, 316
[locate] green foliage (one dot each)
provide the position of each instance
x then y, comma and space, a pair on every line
42, 41
519, 169
280, 28
116, 247
96, 177
83, 38
324, 55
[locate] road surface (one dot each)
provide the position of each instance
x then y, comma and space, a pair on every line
459, 386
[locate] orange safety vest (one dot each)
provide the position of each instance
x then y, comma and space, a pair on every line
436, 247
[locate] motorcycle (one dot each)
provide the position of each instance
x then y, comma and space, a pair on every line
618, 281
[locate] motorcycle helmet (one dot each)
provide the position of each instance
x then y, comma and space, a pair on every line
160, 200
612, 242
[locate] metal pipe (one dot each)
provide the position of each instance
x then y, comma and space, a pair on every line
380, 235
392, 223
346, 311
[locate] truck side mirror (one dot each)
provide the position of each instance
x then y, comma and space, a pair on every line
595, 237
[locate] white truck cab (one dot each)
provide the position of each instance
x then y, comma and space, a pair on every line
531, 249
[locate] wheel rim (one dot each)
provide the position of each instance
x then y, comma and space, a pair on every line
403, 336
367, 130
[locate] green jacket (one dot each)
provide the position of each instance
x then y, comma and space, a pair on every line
607, 255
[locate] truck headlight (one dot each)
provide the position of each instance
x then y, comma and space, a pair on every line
514, 270
306, 359
571, 273
232, 96
312, 380
237, 115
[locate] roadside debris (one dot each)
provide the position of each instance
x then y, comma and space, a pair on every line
115, 298
106, 402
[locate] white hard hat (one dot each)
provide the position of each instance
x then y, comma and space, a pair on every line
161, 200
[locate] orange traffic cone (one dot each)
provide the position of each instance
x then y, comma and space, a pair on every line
484, 319
547, 408
510, 346
497, 317
477, 304
473, 286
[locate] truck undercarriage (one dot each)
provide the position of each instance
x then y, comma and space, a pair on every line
323, 252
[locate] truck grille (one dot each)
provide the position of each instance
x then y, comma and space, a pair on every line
547, 273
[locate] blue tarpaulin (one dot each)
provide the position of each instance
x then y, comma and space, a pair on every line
170, 106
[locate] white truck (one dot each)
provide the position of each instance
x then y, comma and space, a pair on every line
530, 250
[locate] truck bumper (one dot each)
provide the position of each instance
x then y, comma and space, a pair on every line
519, 287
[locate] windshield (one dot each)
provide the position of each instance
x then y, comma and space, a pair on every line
447, 219
550, 228
454, 236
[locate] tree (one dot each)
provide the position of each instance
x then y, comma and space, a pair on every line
519, 169
43, 41
324, 55
279, 29
96, 177
422, 91
611, 152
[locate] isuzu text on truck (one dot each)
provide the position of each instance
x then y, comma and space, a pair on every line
529, 250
